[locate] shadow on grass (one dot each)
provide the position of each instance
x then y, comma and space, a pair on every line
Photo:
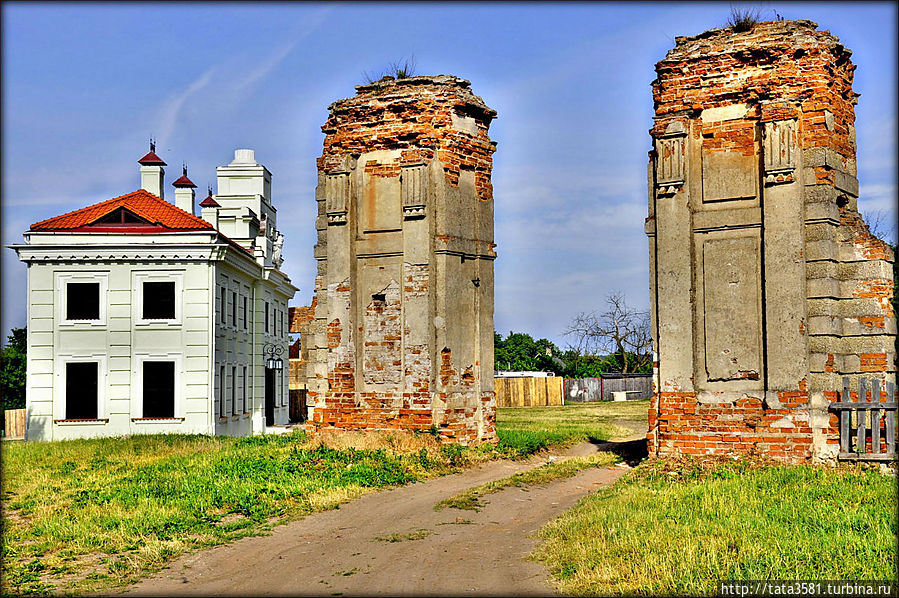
630, 451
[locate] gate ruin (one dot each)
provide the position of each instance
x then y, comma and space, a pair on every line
402, 335
767, 287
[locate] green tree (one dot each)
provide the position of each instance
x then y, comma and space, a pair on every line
520, 352
12, 370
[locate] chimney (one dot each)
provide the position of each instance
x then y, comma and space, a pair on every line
151, 172
210, 210
184, 192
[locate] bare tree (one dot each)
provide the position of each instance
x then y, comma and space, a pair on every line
620, 329
879, 225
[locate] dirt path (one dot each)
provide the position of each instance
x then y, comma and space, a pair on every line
349, 550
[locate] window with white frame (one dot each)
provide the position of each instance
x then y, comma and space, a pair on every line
158, 297
158, 389
82, 390
82, 298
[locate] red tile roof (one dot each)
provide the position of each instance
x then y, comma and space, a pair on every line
209, 202
143, 203
151, 159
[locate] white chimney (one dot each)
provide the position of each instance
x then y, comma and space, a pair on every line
184, 192
152, 174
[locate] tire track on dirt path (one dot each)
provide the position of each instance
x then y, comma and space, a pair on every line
394, 543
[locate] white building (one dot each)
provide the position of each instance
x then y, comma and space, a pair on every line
145, 318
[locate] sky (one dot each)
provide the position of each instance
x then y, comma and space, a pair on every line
84, 86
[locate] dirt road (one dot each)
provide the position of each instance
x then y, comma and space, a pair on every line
394, 543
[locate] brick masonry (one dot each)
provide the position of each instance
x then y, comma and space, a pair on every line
402, 334
766, 285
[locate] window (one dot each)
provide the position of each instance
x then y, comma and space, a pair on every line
243, 312
233, 390
83, 301
224, 305
159, 389
234, 308
266, 317
159, 300
243, 389
222, 391
81, 389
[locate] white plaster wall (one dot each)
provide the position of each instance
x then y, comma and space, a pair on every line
119, 340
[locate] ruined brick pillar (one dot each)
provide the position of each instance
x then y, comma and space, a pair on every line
403, 331
766, 285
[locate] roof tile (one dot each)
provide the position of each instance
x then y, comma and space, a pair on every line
141, 202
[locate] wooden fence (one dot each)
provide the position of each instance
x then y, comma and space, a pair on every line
14, 424
528, 392
860, 438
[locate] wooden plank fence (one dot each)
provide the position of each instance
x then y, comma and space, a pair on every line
860, 434
14, 423
528, 392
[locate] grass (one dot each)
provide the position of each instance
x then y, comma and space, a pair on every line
471, 499
87, 514
416, 535
523, 431
679, 529
742, 20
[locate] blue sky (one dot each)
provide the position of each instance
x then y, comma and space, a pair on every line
85, 85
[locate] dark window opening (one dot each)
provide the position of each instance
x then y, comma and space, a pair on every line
81, 390
224, 306
379, 297
266, 317
234, 308
159, 389
234, 390
243, 313
83, 301
159, 300
222, 392
121, 216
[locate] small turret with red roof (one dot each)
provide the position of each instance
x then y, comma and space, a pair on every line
184, 191
152, 174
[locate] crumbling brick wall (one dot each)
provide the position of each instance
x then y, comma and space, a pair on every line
403, 330
767, 286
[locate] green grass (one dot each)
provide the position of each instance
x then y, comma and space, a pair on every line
86, 514
526, 430
472, 498
678, 532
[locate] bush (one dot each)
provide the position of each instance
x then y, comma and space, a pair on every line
12, 370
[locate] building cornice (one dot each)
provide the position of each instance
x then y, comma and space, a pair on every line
65, 253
